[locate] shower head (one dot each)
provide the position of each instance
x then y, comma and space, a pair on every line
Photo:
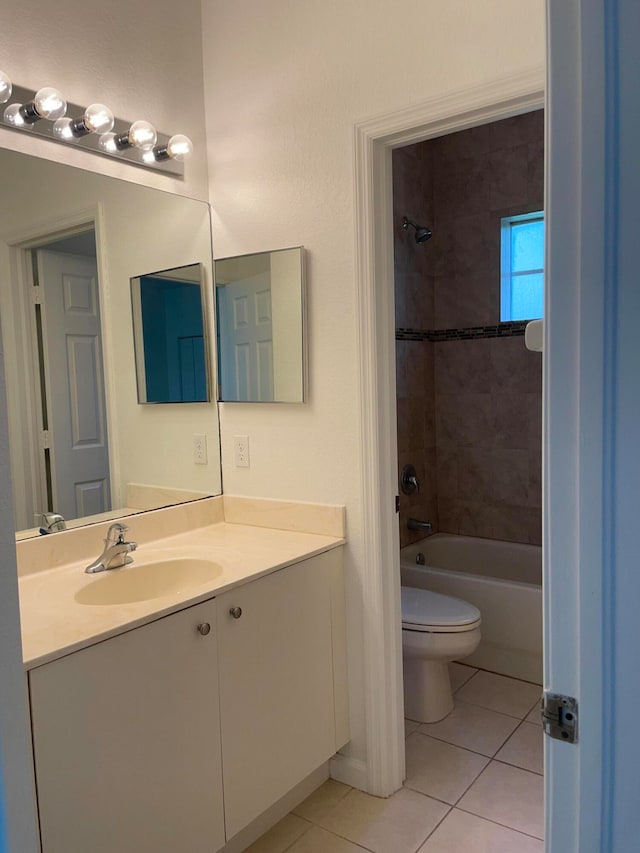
422, 234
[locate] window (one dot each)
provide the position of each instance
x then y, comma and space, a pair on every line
522, 267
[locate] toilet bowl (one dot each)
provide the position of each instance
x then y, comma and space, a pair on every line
436, 629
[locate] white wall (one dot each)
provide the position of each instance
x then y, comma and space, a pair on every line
284, 83
142, 59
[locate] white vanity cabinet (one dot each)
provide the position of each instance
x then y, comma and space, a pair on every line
126, 741
282, 683
140, 739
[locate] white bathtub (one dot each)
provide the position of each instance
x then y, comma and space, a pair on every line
503, 580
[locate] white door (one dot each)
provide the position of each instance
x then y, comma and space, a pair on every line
246, 339
73, 368
592, 417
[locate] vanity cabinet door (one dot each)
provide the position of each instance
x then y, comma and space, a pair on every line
127, 741
276, 684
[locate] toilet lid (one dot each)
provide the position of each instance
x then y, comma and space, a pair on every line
423, 609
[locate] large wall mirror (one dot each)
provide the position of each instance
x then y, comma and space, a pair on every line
260, 304
70, 243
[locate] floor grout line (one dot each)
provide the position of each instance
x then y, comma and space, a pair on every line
517, 766
295, 841
502, 675
497, 823
455, 745
444, 817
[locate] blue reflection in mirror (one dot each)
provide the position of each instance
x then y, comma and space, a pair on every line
168, 322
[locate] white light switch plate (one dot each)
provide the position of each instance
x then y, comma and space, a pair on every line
241, 448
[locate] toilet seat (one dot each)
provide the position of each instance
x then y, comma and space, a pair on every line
431, 612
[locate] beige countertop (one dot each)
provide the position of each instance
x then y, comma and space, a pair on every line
55, 624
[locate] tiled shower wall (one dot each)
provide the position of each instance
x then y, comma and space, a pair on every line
469, 411
414, 288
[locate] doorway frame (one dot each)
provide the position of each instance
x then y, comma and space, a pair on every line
374, 141
21, 340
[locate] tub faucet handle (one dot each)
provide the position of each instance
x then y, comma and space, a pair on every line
409, 482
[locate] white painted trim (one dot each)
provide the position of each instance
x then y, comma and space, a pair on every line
374, 140
349, 771
24, 414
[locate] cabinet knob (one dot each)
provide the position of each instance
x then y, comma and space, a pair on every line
204, 628
236, 612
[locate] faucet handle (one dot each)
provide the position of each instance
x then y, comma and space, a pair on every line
115, 533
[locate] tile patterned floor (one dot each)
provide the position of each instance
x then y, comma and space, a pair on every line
474, 784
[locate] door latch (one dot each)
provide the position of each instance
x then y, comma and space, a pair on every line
560, 716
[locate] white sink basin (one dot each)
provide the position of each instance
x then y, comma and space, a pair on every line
148, 580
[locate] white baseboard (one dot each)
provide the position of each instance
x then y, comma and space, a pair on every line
349, 771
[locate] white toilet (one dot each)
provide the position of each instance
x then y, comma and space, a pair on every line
436, 629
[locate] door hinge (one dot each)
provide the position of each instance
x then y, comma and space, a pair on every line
36, 293
397, 503
44, 440
560, 716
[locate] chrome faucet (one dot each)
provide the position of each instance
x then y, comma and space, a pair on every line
418, 524
52, 522
116, 550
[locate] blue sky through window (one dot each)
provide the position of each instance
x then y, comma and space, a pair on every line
522, 273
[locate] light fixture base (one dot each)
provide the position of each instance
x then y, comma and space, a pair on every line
89, 141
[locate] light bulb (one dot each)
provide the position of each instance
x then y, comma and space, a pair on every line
142, 135
49, 103
149, 157
5, 88
13, 116
62, 129
96, 119
107, 143
179, 147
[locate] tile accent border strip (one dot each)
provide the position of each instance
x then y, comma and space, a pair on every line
499, 330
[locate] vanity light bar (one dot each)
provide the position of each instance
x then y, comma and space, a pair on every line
94, 128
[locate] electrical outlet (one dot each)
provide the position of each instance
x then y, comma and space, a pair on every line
200, 449
241, 447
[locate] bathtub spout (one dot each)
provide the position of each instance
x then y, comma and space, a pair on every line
417, 524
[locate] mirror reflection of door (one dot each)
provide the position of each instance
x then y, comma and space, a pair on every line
58, 425
72, 378
246, 339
